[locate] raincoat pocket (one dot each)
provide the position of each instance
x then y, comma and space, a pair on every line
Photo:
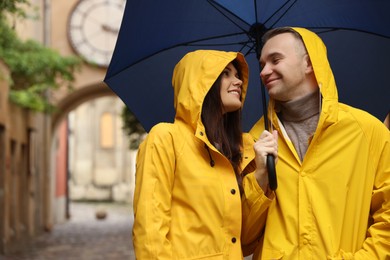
271, 253
210, 257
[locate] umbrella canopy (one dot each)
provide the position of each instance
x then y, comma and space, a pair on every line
154, 35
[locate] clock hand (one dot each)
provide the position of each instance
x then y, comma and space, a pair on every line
110, 29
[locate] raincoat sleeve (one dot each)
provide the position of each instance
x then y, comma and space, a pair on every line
152, 197
255, 205
254, 209
377, 243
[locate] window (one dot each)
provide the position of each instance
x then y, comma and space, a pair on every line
106, 131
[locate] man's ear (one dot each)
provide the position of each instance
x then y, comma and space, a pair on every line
309, 67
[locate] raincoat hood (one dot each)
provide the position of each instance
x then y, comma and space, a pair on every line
193, 77
318, 56
317, 52
322, 70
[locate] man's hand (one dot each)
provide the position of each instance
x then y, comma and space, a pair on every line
267, 144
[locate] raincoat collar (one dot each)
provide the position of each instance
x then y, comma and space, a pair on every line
193, 77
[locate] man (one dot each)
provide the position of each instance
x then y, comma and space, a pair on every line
333, 168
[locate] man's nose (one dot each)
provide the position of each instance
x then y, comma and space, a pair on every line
265, 71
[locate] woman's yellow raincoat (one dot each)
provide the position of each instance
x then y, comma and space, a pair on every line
187, 202
335, 204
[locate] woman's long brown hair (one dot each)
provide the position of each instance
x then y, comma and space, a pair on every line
223, 129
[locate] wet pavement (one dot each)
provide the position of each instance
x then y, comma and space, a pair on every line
84, 237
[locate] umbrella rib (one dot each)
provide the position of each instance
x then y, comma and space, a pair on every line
331, 29
277, 11
243, 44
215, 44
328, 29
216, 5
256, 14
250, 50
190, 43
194, 43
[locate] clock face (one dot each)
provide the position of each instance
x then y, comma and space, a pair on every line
93, 29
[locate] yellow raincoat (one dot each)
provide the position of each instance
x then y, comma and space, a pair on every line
187, 202
335, 204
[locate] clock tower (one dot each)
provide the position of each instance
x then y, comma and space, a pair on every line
99, 159
93, 27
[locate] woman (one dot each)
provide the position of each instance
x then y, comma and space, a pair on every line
187, 201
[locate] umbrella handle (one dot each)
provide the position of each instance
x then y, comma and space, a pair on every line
273, 182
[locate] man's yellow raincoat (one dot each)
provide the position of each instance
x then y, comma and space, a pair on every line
187, 202
335, 204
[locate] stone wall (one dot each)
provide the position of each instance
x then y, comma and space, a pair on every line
24, 203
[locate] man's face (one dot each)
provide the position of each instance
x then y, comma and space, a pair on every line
230, 90
284, 64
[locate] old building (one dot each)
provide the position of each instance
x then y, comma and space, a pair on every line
78, 153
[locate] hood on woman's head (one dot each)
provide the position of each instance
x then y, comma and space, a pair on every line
197, 71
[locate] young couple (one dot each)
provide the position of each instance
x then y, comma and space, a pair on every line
202, 186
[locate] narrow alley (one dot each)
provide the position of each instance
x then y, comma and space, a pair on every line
85, 237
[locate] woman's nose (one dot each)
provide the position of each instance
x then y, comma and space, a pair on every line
237, 81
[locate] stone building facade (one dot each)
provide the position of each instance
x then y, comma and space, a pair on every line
78, 153
24, 171
101, 165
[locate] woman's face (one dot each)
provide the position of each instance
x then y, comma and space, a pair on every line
230, 89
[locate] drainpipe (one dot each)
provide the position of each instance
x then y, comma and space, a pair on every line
69, 132
48, 191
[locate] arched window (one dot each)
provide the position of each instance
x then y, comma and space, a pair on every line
106, 130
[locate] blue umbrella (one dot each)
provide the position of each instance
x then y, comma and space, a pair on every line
154, 35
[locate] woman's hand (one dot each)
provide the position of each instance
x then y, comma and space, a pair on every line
266, 144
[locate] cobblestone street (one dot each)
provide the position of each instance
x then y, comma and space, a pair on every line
85, 237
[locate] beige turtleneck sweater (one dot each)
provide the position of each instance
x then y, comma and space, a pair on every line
300, 119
